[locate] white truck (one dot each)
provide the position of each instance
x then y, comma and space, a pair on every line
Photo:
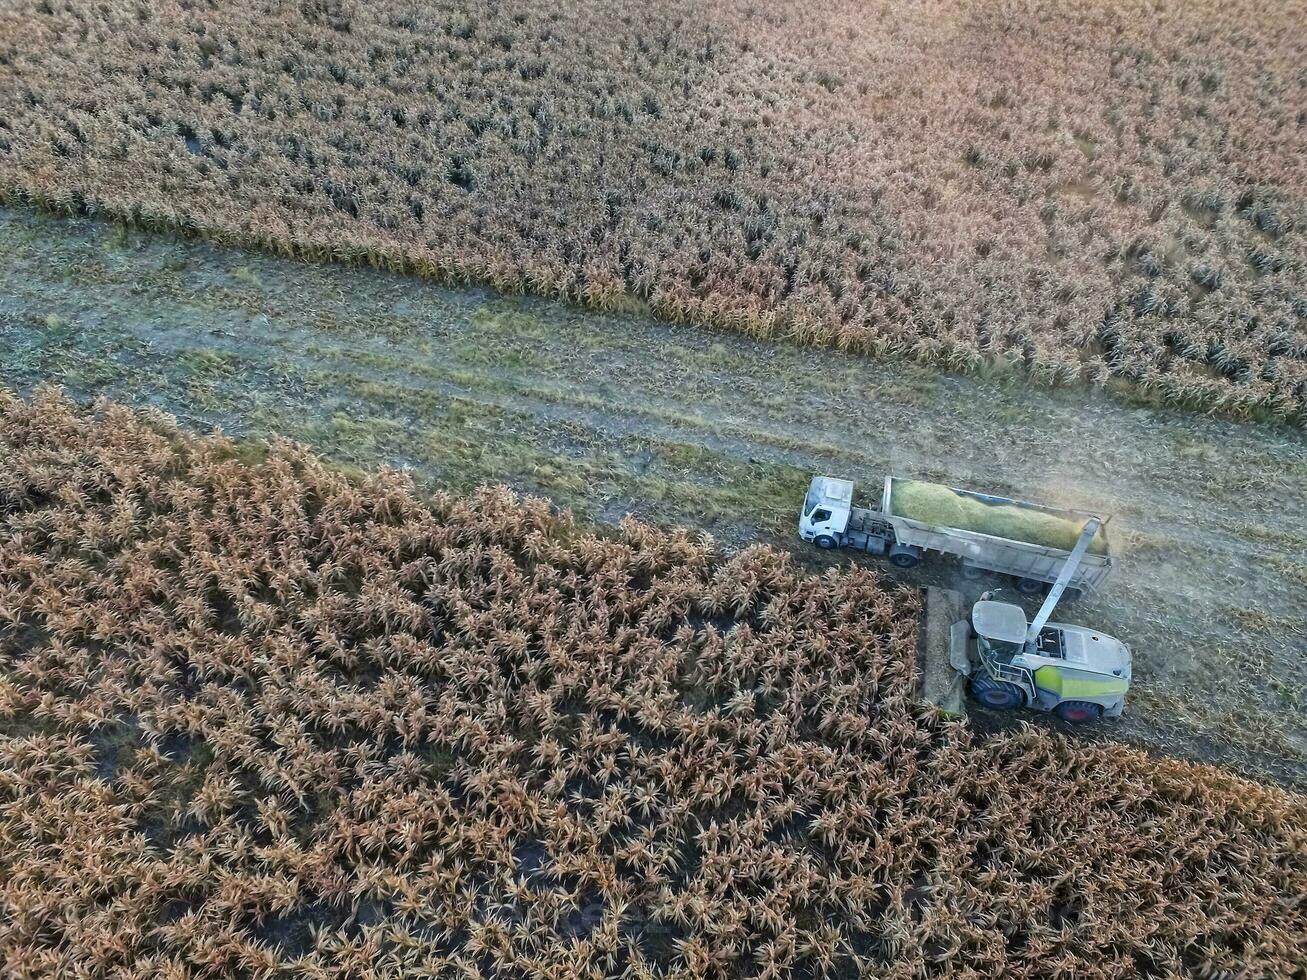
830, 520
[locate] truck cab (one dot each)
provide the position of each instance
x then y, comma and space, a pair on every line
826, 510
1075, 671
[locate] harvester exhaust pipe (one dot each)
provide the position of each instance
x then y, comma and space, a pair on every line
1068, 570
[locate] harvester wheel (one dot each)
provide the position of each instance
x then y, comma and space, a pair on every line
1077, 712
996, 694
824, 541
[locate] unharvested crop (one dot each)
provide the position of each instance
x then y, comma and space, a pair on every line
260, 718
1078, 191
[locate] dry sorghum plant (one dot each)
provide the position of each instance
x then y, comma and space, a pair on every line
1088, 191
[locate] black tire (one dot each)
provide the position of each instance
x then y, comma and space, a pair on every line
1030, 586
999, 695
1079, 712
973, 572
825, 542
904, 556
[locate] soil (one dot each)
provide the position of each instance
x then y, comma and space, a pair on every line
619, 413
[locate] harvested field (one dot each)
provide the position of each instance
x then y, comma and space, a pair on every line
1076, 191
263, 718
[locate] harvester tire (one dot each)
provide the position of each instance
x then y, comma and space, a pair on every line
997, 694
1079, 712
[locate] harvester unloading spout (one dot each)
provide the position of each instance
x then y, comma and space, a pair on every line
1059, 586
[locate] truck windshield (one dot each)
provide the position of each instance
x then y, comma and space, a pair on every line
810, 501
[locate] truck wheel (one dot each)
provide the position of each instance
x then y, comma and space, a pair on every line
1078, 712
825, 542
1029, 586
972, 572
996, 694
904, 556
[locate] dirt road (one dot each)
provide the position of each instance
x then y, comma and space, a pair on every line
619, 413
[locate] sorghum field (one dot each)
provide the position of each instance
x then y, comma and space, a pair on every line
256, 718
1090, 191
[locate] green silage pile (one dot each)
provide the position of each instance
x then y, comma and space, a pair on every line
938, 505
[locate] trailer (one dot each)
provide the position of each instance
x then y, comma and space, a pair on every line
829, 519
